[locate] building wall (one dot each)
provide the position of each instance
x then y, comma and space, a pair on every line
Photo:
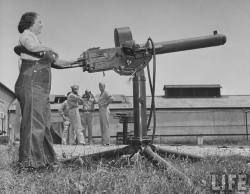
5, 100
3, 110
179, 122
205, 121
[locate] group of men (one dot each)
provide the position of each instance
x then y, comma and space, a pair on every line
75, 125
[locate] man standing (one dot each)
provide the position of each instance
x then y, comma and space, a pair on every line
88, 109
74, 115
68, 134
104, 100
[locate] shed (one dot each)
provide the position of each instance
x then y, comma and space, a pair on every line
7, 97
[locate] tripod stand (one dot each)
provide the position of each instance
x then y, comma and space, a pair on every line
140, 143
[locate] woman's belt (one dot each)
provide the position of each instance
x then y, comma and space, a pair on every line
28, 60
21, 49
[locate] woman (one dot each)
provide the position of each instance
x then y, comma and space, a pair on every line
32, 89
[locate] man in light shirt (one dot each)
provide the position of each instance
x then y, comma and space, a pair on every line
88, 109
68, 133
103, 101
74, 115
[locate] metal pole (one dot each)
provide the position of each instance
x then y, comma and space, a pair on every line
246, 124
139, 99
2, 125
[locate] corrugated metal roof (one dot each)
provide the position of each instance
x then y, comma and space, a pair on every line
231, 101
225, 101
11, 93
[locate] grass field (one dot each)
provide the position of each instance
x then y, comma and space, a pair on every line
117, 176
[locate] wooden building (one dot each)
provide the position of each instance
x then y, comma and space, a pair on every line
190, 113
7, 97
193, 111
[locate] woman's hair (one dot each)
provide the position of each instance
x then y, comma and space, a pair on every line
26, 21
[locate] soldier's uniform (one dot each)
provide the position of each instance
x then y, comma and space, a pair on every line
74, 115
88, 109
68, 136
103, 102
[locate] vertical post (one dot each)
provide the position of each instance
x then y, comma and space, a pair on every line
139, 99
246, 123
125, 130
2, 125
11, 132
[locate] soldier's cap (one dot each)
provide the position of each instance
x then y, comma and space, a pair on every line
75, 87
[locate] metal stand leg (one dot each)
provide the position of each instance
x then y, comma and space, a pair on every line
125, 131
140, 111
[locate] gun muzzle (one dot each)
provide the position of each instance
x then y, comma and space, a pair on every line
189, 43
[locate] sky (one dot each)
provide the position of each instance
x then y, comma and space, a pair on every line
73, 26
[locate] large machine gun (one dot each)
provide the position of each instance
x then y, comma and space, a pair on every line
128, 57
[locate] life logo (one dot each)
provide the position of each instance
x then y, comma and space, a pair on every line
230, 183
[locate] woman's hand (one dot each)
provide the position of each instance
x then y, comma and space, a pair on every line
55, 55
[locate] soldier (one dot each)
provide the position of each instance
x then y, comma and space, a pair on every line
104, 100
88, 109
74, 115
68, 133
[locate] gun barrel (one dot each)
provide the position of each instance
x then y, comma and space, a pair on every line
189, 44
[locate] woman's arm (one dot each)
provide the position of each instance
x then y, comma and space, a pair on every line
32, 44
62, 64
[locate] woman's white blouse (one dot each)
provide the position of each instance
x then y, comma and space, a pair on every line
29, 40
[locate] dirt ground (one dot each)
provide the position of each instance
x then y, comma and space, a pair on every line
210, 150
